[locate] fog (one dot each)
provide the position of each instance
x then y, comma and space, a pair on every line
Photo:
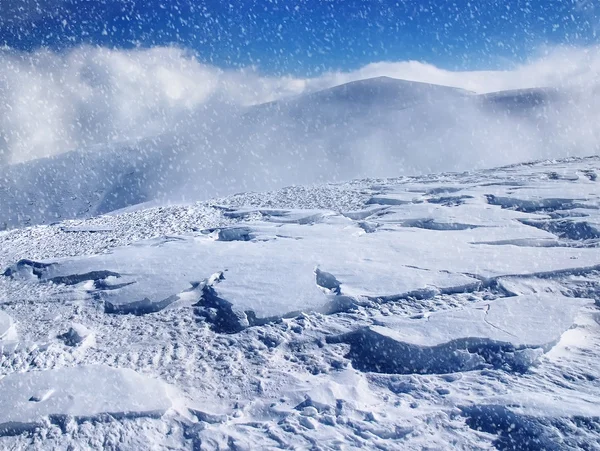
145, 124
56, 102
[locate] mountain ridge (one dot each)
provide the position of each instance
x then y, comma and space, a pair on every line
337, 134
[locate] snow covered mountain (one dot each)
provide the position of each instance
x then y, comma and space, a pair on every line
378, 127
451, 310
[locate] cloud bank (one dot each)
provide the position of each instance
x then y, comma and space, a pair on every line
52, 103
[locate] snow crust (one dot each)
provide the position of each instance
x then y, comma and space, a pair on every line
511, 332
395, 314
81, 393
273, 263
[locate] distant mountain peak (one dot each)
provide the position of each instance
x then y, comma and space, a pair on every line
381, 91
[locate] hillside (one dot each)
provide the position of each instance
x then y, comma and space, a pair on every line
378, 127
393, 313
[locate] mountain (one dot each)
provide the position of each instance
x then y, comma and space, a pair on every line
378, 127
356, 99
521, 100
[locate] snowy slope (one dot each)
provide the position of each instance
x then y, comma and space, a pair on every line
360, 99
379, 127
449, 310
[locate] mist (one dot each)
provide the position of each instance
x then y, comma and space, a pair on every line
88, 96
149, 124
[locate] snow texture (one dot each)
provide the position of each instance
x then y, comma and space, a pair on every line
81, 393
281, 262
406, 313
512, 333
77, 335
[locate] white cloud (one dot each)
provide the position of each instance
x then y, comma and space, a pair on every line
51, 103
55, 102
559, 66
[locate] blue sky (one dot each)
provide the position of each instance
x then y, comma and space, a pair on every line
310, 36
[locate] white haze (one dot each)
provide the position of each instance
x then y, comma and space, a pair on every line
164, 98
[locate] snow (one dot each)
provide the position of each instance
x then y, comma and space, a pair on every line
511, 332
312, 316
267, 267
78, 335
81, 393
9, 338
6, 325
521, 420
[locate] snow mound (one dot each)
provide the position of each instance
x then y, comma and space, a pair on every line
511, 333
35, 398
358, 99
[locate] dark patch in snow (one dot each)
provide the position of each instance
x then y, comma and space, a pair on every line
591, 175
374, 352
36, 268
74, 279
431, 224
565, 228
219, 313
534, 206
75, 335
327, 281
449, 201
138, 308
515, 432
